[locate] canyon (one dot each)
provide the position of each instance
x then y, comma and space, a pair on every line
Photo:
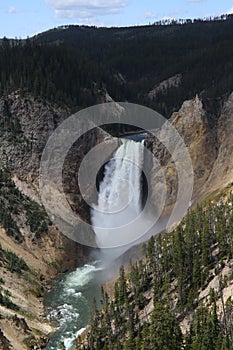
25, 125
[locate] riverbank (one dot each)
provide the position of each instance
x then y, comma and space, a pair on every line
26, 275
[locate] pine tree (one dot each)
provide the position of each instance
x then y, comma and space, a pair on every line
165, 332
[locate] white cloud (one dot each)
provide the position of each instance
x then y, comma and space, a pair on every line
86, 9
230, 12
13, 9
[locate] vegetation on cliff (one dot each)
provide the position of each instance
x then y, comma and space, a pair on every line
18, 210
172, 285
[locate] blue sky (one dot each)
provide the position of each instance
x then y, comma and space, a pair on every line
22, 18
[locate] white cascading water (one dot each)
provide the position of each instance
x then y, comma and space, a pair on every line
119, 200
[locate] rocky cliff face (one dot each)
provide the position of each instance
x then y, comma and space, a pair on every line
25, 125
222, 172
209, 142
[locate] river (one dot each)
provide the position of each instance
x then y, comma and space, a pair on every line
70, 301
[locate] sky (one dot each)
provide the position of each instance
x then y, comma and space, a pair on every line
22, 18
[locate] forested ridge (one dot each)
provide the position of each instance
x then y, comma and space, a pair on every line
76, 65
154, 297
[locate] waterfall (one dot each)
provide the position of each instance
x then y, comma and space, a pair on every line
119, 200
